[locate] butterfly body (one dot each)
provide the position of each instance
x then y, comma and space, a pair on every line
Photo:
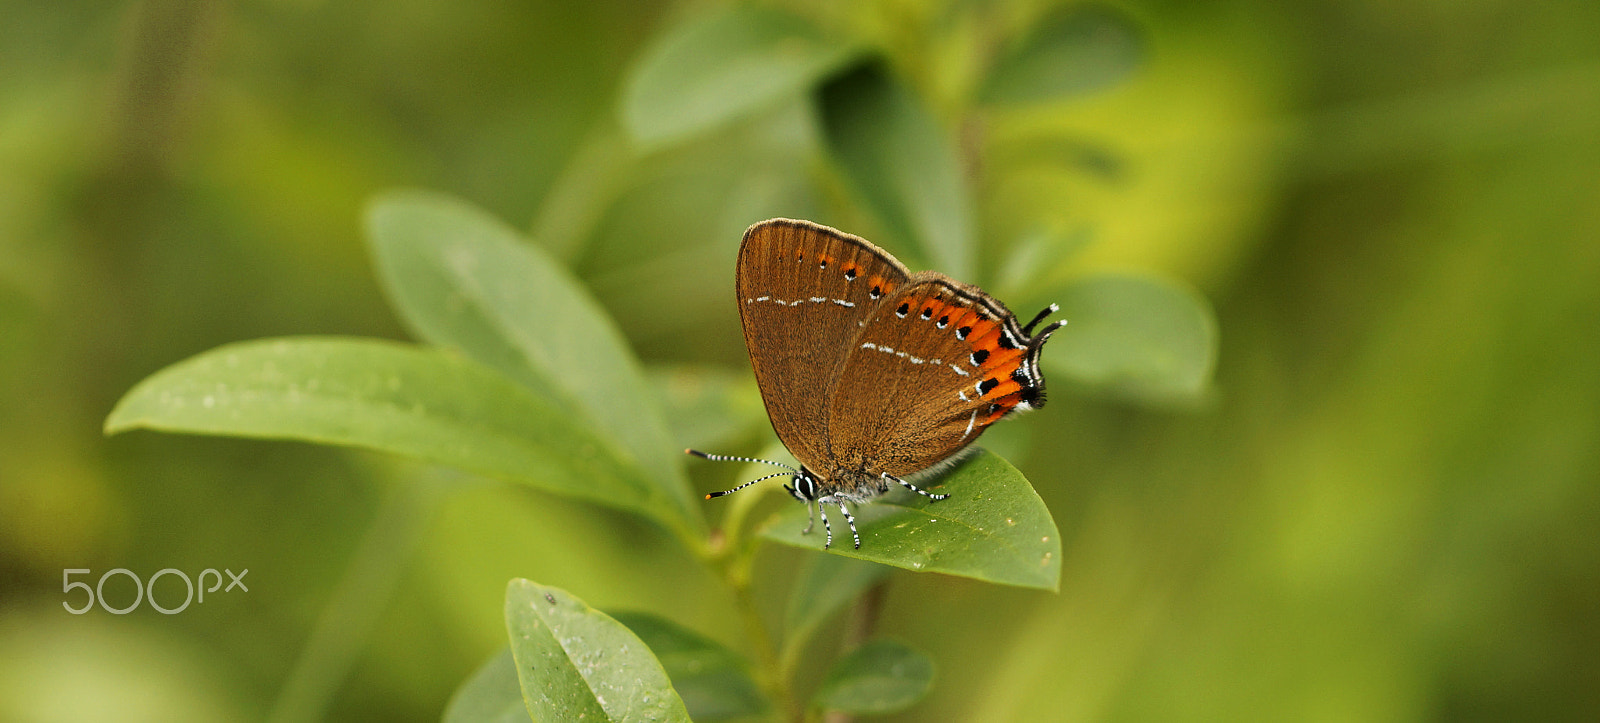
871, 373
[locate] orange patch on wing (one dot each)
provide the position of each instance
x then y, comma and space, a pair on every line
958, 315
1005, 405
1001, 362
1005, 388
980, 329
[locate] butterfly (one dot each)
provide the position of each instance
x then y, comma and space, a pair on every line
871, 373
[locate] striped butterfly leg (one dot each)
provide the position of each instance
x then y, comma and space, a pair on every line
851, 519
930, 495
822, 511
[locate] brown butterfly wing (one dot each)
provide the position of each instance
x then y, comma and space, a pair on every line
805, 291
935, 365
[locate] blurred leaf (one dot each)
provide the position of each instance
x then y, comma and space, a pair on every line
880, 677
721, 66
713, 681
993, 527
462, 279
901, 163
827, 584
491, 695
422, 403
1079, 49
1034, 254
708, 407
1144, 337
587, 185
576, 663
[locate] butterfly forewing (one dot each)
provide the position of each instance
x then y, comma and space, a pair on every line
936, 364
804, 292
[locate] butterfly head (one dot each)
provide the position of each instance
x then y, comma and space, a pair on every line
806, 486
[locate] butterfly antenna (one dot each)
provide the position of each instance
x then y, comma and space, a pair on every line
747, 484
731, 458
1051, 309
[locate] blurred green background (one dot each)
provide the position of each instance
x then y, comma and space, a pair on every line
1385, 508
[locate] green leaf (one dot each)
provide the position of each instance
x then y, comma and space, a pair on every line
721, 66
826, 585
901, 163
576, 663
1142, 337
993, 527
1079, 49
708, 407
713, 681
428, 404
878, 678
462, 279
491, 695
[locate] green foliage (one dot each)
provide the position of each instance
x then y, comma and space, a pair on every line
576, 663
880, 677
426, 404
463, 280
1141, 337
993, 527
720, 66
492, 695
1078, 49
1390, 515
527, 378
902, 165
824, 587
714, 682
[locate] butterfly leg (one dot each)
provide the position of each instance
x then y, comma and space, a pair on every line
852, 520
916, 489
823, 512
811, 518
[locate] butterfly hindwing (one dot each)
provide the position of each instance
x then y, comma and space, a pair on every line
936, 364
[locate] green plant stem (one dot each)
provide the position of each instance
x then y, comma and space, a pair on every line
351, 614
863, 621
731, 553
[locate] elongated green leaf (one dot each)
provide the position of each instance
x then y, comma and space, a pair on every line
577, 664
491, 695
880, 677
722, 66
708, 407
1079, 49
713, 681
428, 404
462, 279
993, 527
826, 585
1138, 336
901, 163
